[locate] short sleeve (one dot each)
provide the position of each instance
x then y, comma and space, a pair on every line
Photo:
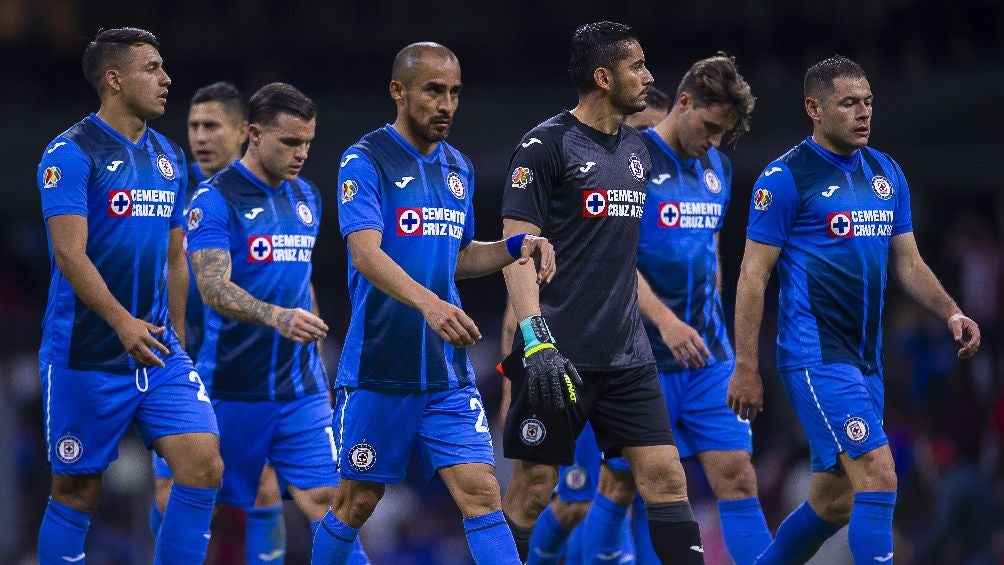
773, 207
903, 222
359, 202
469, 218
208, 221
178, 214
63, 176
534, 171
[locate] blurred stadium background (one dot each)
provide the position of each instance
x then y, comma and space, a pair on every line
937, 69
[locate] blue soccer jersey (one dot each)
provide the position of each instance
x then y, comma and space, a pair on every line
678, 249
423, 206
270, 234
130, 194
833, 218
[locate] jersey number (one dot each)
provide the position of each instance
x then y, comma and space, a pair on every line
482, 424
194, 377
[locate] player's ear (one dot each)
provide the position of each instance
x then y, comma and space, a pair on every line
254, 134
684, 100
112, 80
604, 78
812, 108
396, 90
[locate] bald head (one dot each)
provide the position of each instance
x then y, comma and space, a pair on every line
409, 61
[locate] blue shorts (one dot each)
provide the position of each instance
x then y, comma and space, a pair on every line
578, 481
698, 413
377, 429
161, 470
840, 410
293, 436
87, 412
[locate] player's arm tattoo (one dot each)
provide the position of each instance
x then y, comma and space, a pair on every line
212, 272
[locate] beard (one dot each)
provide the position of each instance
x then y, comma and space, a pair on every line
627, 102
426, 131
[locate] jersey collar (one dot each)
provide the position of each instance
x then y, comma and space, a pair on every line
430, 158
115, 133
687, 163
257, 181
846, 163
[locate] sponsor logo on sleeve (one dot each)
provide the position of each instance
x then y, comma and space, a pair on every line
349, 190
521, 177
51, 177
762, 199
194, 217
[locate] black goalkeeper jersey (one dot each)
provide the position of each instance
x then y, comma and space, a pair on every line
586, 191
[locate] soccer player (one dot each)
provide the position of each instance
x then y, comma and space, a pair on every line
678, 290
657, 104
251, 233
834, 215
405, 378
579, 178
112, 349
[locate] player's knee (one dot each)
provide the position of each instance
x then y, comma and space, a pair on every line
80, 492
201, 470
161, 492
736, 479
569, 514
530, 491
618, 486
835, 509
360, 504
662, 482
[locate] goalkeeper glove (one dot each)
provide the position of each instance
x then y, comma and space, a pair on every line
550, 377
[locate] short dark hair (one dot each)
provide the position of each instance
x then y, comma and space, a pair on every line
819, 78
228, 95
280, 98
657, 99
595, 45
411, 57
108, 48
715, 81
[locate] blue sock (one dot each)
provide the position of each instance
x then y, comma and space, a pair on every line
156, 519
547, 538
627, 542
744, 528
358, 556
644, 552
184, 535
603, 530
490, 540
265, 540
870, 531
798, 538
61, 536
334, 541
574, 551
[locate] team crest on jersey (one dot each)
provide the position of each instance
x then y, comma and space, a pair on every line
839, 224
194, 217
456, 185
532, 431
304, 213
259, 249
856, 429
349, 190
882, 187
762, 199
69, 449
594, 203
669, 215
711, 181
119, 203
165, 166
521, 177
409, 221
51, 176
637, 169
362, 457
575, 477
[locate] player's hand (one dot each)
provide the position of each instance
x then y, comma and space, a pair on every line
137, 337
745, 396
686, 345
550, 377
966, 334
298, 325
451, 323
539, 248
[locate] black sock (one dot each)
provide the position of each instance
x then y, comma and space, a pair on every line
676, 537
522, 538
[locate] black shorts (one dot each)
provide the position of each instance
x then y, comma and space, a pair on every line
626, 408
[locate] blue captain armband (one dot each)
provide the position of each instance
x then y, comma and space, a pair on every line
514, 244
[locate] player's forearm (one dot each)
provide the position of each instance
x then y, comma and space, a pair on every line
509, 323
212, 274
651, 308
481, 258
388, 277
920, 283
749, 316
177, 283
524, 294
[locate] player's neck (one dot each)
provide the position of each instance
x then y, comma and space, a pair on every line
210, 171
424, 146
597, 113
668, 131
827, 144
129, 125
253, 164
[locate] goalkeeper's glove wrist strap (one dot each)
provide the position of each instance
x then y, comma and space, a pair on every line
535, 332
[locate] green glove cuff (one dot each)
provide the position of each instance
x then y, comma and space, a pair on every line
535, 333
